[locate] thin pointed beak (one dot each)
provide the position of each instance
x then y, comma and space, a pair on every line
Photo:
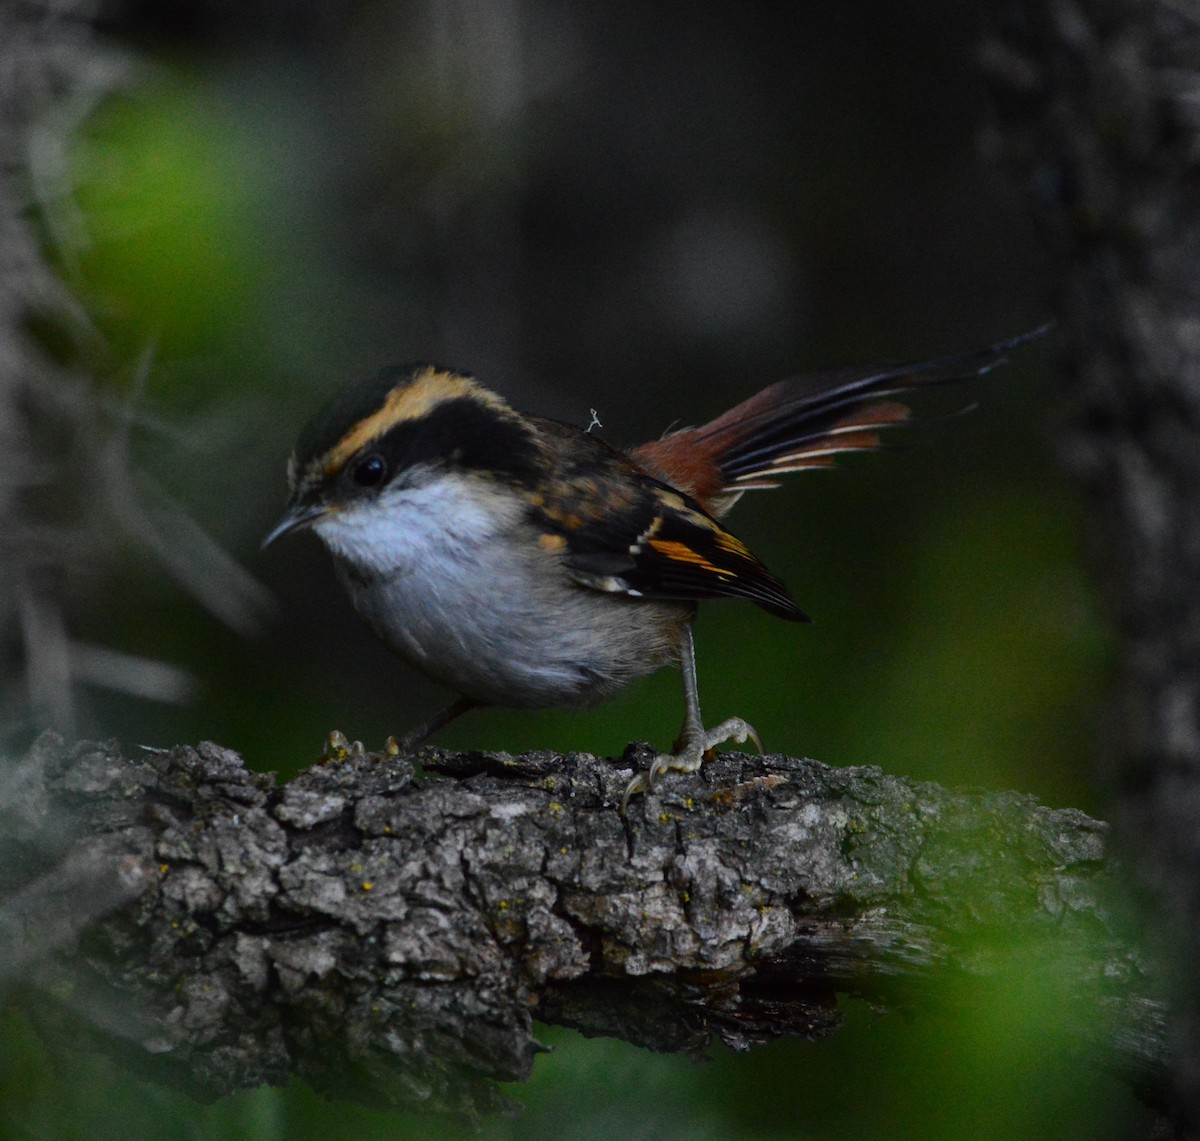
298, 516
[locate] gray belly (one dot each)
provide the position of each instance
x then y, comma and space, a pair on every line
449, 576
488, 637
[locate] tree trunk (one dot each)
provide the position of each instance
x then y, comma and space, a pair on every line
1098, 114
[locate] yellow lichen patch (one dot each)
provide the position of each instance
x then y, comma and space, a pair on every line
682, 553
409, 400
366, 885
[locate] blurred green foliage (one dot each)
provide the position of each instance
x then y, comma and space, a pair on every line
276, 216
175, 206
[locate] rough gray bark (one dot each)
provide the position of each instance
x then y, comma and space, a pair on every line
392, 938
1099, 116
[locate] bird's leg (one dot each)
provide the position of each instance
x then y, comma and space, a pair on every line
423, 732
694, 742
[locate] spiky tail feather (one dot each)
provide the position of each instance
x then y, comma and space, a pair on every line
802, 423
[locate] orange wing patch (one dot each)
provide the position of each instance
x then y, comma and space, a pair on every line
733, 544
682, 553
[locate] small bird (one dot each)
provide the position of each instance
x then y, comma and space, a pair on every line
521, 561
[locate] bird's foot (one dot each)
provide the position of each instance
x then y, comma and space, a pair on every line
339, 747
691, 750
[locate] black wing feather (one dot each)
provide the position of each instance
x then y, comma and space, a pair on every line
626, 532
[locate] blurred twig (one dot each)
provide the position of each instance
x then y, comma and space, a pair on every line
70, 487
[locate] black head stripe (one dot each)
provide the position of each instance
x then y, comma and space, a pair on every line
350, 405
464, 434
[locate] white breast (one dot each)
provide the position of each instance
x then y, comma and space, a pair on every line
450, 576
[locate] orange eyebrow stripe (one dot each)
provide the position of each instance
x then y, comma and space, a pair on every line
429, 388
682, 553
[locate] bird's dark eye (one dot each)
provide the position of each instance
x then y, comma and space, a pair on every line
370, 471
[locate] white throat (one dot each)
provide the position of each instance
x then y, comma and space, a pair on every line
446, 520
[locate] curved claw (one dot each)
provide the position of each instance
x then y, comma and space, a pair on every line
640, 783
338, 747
736, 730
690, 756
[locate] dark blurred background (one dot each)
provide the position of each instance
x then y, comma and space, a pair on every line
650, 211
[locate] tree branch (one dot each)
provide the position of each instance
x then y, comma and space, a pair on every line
392, 938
